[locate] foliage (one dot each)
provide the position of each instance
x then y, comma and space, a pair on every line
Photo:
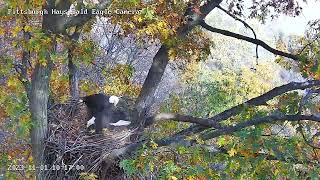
262, 151
209, 93
118, 81
87, 176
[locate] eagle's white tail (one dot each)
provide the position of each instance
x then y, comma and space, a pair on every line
121, 123
91, 121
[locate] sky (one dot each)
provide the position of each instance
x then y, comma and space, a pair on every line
269, 32
296, 25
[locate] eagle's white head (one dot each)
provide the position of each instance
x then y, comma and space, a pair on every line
114, 100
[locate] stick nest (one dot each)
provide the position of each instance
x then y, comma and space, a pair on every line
74, 149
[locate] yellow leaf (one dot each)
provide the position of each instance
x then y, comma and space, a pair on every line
161, 24
27, 28
173, 178
232, 152
24, 118
245, 153
11, 82
43, 62
131, 25
37, 48
140, 19
153, 144
16, 30
172, 53
30, 158
2, 32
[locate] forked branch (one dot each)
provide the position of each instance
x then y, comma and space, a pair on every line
248, 39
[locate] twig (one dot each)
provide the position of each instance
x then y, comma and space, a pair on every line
246, 25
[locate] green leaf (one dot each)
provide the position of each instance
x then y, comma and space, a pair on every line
128, 166
148, 13
221, 141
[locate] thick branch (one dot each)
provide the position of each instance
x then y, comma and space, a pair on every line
260, 100
248, 39
257, 101
153, 79
73, 77
179, 139
25, 60
73, 69
203, 124
209, 6
245, 25
258, 121
182, 118
57, 23
161, 59
77, 20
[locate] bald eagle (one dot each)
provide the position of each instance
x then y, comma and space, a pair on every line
103, 112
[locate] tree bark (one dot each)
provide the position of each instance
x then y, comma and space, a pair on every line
38, 94
38, 102
161, 59
153, 79
73, 77
38, 105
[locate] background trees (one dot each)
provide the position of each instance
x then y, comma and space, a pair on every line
231, 109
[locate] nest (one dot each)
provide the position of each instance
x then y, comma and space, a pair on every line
72, 151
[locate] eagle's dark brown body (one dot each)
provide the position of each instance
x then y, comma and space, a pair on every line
103, 111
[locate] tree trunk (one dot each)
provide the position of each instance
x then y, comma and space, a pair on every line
38, 107
153, 79
73, 77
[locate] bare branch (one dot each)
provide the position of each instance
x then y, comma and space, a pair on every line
260, 100
21, 69
183, 118
308, 142
248, 39
258, 121
309, 44
245, 25
209, 6
58, 23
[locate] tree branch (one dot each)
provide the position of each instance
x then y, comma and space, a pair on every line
161, 59
21, 69
59, 23
260, 100
203, 124
258, 121
209, 6
245, 25
308, 142
182, 118
248, 39
153, 79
